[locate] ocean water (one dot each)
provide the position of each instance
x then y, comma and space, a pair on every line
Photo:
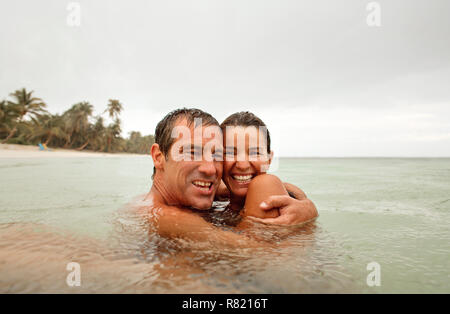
391, 211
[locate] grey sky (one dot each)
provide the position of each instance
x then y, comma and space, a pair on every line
325, 82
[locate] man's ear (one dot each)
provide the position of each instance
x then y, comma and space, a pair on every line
157, 156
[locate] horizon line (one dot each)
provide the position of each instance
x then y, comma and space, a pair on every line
293, 157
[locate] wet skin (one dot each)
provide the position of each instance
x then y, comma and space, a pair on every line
180, 187
263, 196
244, 168
176, 195
260, 189
243, 161
193, 180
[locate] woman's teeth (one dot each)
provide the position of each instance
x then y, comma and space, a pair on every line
202, 184
242, 178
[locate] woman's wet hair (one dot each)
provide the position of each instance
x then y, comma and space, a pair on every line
245, 119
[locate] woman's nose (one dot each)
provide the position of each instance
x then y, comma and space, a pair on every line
242, 165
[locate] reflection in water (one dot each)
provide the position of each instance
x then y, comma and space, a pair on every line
134, 258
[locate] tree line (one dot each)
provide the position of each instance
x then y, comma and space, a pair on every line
24, 119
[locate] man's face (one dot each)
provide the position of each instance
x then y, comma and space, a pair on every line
191, 172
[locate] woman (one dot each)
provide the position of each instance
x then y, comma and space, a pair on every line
247, 157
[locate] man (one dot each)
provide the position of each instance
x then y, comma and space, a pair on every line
185, 180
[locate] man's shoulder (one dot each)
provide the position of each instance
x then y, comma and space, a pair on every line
170, 214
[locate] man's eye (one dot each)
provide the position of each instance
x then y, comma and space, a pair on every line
193, 153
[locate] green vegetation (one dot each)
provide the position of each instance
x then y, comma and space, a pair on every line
25, 120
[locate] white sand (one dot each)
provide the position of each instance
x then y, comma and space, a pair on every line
30, 151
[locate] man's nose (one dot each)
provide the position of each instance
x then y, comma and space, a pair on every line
208, 168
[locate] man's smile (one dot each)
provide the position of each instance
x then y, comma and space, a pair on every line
205, 187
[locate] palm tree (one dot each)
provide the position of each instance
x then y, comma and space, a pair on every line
24, 120
136, 143
3, 116
114, 108
112, 133
49, 127
98, 134
94, 135
7, 116
25, 105
77, 120
2, 110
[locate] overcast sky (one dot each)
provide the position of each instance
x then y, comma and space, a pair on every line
325, 82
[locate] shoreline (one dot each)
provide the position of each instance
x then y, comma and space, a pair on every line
32, 151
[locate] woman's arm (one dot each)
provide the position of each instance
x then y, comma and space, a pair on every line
260, 188
294, 191
293, 210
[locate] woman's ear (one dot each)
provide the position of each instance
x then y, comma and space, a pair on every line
270, 157
265, 167
157, 156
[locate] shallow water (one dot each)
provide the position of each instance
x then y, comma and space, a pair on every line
395, 212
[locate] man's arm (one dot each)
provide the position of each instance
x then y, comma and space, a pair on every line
173, 222
293, 210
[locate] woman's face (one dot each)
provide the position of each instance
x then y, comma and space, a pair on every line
245, 157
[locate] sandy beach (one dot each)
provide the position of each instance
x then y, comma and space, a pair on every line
31, 151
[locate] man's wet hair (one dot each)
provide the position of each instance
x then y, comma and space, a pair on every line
245, 119
163, 132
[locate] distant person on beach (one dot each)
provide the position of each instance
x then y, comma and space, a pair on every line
188, 169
